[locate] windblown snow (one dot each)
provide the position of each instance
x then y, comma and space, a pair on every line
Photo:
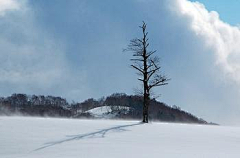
25, 137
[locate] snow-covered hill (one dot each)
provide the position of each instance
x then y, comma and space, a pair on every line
107, 112
25, 137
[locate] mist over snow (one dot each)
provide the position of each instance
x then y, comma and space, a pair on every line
74, 49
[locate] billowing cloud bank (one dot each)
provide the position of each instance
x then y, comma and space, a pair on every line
222, 38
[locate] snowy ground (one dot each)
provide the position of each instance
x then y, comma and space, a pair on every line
23, 137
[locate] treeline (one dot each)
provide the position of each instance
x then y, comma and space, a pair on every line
33, 105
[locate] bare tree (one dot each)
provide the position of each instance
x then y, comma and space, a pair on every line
147, 66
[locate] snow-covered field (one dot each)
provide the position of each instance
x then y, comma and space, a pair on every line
25, 137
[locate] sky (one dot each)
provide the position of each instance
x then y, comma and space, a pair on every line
73, 49
228, 11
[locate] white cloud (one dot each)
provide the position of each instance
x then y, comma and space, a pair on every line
222, 38
8, 5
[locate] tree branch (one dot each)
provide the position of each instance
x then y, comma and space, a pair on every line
151, 73
139, 69
136, 59
154, 70
151, 53
159, 82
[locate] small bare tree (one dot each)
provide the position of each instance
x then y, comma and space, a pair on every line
147, 66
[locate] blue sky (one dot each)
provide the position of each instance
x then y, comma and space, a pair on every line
74, 49
228, 10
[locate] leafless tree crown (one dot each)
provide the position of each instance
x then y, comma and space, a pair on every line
145, 62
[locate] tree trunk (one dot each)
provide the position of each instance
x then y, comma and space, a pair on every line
145, 111
146, 102
145, 82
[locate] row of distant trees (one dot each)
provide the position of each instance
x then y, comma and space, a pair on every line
23, 104
23, 99
125, 106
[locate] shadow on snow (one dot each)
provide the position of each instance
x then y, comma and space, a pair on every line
98, 134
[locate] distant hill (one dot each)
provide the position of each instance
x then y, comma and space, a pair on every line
115, 106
